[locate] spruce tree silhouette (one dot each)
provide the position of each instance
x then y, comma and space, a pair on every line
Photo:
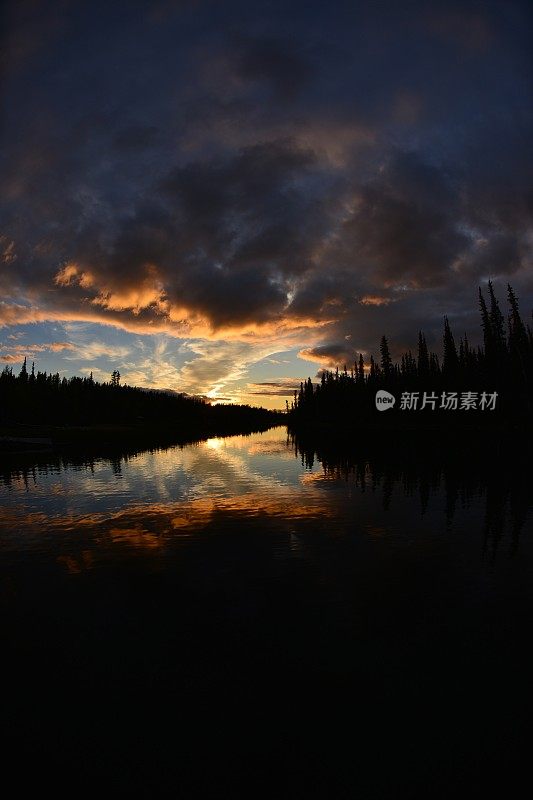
450, 362
423, 356
361, 372
497, 323
386, 360
504, 364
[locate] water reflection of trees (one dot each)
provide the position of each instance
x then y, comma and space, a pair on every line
493, 472
27, 468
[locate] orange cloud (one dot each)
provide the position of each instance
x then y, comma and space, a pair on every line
175, 323
375, 300
57, 347
19, 352
329, 355
71, 273
7, 247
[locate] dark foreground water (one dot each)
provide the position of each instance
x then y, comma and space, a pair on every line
238, 616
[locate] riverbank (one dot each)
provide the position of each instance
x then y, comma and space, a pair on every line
22, 438
410, 423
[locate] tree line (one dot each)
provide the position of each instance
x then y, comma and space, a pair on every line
501, 368
39, 398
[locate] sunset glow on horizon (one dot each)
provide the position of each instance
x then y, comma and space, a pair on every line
224, 198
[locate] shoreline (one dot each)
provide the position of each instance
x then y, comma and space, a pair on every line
21, 439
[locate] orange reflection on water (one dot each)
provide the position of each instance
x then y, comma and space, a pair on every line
136, 537
316, 478
75, 566
146, 501
150, 526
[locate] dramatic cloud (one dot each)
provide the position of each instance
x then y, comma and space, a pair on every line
330, 355
249, 180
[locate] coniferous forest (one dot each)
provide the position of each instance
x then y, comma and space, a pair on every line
467, 386
51, 404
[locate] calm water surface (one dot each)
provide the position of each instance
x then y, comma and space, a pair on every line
246, 608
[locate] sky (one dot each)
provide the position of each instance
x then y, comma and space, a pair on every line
223, 198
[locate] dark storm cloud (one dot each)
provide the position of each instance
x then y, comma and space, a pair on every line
406, 226
331, 354
364, 165
498, 168
222, 236
276, 62
254, 218
500, 254
136, 137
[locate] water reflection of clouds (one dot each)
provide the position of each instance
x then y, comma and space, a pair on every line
144, 502
215, 468
136, 537
81, 541
318, 478
76, 565
173, 516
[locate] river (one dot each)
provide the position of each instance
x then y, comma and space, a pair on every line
244, 608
